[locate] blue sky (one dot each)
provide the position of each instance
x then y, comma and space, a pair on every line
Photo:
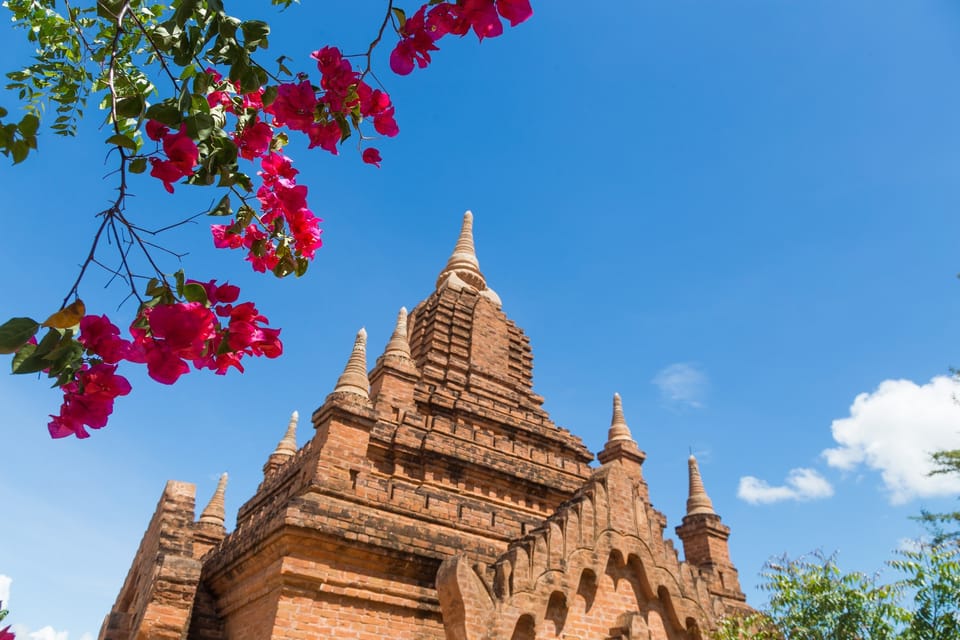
740, 215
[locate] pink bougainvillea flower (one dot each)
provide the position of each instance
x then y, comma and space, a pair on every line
514, 11
181, 151
184, 327
276, 166
102, 338
483, 18
294, 106
326, 136
164, 366
166, 171
372, 156
385, 124
6, 634
445, 18
88, 401
328, 59
220, 98
254, 140
223, 238
156, 130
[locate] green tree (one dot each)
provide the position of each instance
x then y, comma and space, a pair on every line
812, 599
944, 526
933, 579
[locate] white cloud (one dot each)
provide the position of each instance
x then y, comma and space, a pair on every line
894, 430
5, 589
801, 484
48, 633
682, 383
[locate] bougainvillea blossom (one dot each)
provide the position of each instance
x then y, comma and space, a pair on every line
372, 156
88, 401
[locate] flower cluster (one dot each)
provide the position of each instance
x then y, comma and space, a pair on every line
200, 324
6, 634
344, 98
167, 337
181, 152
88, 400
419, 33
284, 206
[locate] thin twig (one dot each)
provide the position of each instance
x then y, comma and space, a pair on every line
376, 41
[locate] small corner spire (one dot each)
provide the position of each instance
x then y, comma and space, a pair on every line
399, 345
354, 377
288, 445
618, 424
215, 512
463, 266
698, 501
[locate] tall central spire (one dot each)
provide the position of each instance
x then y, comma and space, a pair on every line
463, 268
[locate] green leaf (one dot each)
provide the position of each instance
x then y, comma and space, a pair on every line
138, 165
180, 279
302, 264
130, 107
269, 95
15, 332
165, 113
255, 34
49, 342
121, 140
21, 360
29, 124
401, 16
199, 126
20, 149
222, 208
194, 292
109, 9
245, 215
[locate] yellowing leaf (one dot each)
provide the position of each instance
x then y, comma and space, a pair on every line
66, 317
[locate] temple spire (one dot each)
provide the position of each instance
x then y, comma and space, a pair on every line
399, 345
463, 261
618, 424
698, 501
288, 445
463, 268
215, 512
354, 377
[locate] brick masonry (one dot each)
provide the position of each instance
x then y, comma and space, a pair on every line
444, 503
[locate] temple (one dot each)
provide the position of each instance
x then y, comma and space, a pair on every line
436, 499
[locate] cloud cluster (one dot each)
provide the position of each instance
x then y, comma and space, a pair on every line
5, 589
682, 383
801, 484
894, 430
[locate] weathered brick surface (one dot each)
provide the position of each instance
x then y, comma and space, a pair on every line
446, 504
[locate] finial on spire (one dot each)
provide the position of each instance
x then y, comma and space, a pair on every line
354, 377
463, 268
618, 425
698, 501
288, 445
399, 344
215, 512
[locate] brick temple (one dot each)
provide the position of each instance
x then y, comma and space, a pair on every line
435, 500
